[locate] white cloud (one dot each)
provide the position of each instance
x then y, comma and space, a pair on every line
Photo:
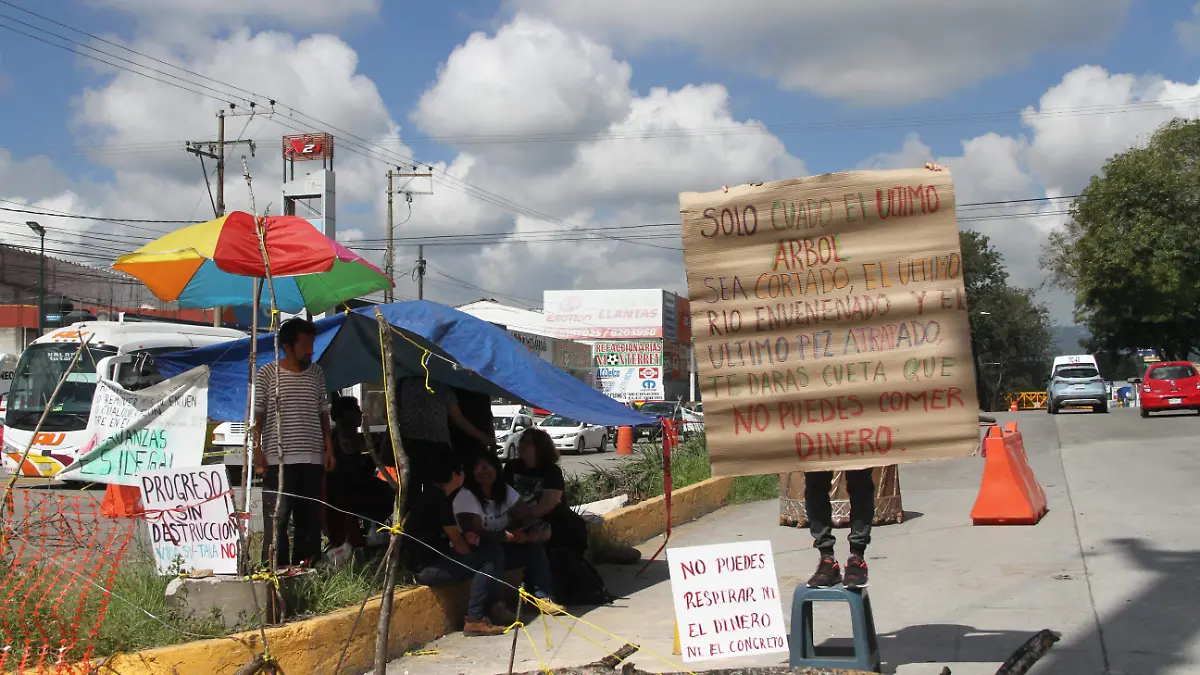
529, 78
620, 159
865, 51
1088, 117
1092, 115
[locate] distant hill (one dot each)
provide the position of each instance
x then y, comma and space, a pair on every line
1065, 339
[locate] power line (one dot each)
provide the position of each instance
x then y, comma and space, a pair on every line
469, 235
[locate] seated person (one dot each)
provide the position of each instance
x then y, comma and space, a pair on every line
537, 477
440, 554
489, 509
352, 488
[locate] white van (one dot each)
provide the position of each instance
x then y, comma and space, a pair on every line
118, 350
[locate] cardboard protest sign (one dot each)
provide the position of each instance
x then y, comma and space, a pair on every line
830, 322
189, 512
161, 426
727, 600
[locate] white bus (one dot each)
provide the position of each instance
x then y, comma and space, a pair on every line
119, 350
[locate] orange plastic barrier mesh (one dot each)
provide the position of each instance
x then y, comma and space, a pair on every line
59, 557
1009, 493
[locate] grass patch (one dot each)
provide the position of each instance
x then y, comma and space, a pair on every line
139, 595
128, 628
641, 476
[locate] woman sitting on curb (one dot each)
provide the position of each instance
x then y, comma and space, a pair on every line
440, 554
492, 511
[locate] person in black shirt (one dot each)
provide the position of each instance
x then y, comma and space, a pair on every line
442, 554
352, 485
477, 409
536, 476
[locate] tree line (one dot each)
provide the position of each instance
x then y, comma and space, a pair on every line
1130, 251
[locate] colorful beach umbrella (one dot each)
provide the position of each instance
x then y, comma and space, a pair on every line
214, 264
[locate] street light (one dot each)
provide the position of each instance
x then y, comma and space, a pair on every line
41, 233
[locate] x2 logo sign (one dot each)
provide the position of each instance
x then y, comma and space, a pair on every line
305, 146
648, 373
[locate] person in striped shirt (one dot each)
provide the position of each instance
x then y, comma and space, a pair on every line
292, 429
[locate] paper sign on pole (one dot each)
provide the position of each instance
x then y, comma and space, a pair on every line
830, 322
161, 426
190, 517
727, 600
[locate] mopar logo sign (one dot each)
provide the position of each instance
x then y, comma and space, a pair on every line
649, 384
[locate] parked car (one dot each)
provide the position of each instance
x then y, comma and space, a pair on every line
508, 430
659, 410
575, 436
1076, 384
1170, 385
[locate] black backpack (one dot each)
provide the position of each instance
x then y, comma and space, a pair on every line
576, 582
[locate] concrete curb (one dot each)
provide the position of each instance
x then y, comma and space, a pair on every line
420, 615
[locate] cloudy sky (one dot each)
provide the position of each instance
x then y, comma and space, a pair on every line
545, 118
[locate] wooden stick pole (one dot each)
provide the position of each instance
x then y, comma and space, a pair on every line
392, 560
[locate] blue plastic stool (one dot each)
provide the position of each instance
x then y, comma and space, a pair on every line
866, 643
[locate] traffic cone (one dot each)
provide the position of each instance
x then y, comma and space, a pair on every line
1012, 407
625, 441
122, 501
1009, 493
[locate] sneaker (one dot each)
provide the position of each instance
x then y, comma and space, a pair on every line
856, 573
549, 607
479, 627
501, 615
828, 573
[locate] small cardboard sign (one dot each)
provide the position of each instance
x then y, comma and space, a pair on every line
727, 600
189, 512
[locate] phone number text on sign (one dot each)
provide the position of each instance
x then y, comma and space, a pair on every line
726, 600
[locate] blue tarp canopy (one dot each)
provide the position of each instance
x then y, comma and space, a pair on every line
468, 353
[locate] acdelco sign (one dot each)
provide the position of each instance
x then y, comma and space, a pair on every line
605, 314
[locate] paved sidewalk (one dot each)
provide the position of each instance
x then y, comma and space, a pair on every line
946, 593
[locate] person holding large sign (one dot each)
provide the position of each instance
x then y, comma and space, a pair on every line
830, 326
292, 428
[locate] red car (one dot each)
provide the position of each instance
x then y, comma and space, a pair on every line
1172, 385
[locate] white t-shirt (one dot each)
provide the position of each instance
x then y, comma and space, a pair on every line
495, 516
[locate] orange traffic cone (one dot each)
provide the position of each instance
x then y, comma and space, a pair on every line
122, 501
1012, 407
1009, 493
625, 441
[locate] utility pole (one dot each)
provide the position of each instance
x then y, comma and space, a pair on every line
215, 150
389, 262
391, 253
421, 271
408, 191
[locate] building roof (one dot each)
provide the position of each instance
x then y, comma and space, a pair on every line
514, 318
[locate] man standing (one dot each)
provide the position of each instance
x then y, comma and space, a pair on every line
819, 508
426, 410
291, 427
